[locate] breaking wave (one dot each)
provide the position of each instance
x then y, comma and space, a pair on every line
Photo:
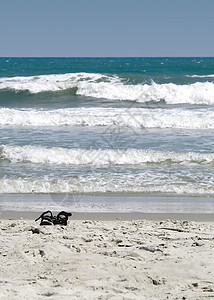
125, 183
109, 157
121, 117
113, 88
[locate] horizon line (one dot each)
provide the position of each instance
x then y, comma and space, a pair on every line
106, 56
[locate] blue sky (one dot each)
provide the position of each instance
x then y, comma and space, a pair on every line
106, 28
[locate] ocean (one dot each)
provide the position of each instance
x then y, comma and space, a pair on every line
107, 134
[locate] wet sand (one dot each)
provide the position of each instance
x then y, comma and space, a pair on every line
10, 215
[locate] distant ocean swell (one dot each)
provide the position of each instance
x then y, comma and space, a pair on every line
113, 88
201, 76
109, 157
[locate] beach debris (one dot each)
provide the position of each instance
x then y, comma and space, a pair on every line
157, 281
198, 244
195, 284
125, 244
35, 230
41, 252
87, 239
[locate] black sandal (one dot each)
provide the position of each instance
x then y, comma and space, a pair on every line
62, 218
47, 218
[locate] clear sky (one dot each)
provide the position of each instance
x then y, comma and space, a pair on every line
106, 28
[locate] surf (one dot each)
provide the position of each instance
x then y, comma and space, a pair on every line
143, 182
99, 157
113, 87
138, 118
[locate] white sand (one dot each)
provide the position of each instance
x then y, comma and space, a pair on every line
107, 260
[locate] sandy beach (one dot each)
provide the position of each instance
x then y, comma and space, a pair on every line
107, 116
107, 259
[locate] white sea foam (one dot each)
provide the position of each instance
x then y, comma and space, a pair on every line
53, 82
121, 117
109, 157
127, 183
197, 93
201, 76
113, 88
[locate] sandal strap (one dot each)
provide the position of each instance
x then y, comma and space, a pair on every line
43, 215
62, 218
63, 213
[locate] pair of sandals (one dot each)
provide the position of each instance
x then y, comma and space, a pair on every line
47, 218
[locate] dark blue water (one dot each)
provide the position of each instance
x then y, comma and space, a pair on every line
140, 67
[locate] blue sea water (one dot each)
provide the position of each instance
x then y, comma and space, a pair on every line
107, 125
